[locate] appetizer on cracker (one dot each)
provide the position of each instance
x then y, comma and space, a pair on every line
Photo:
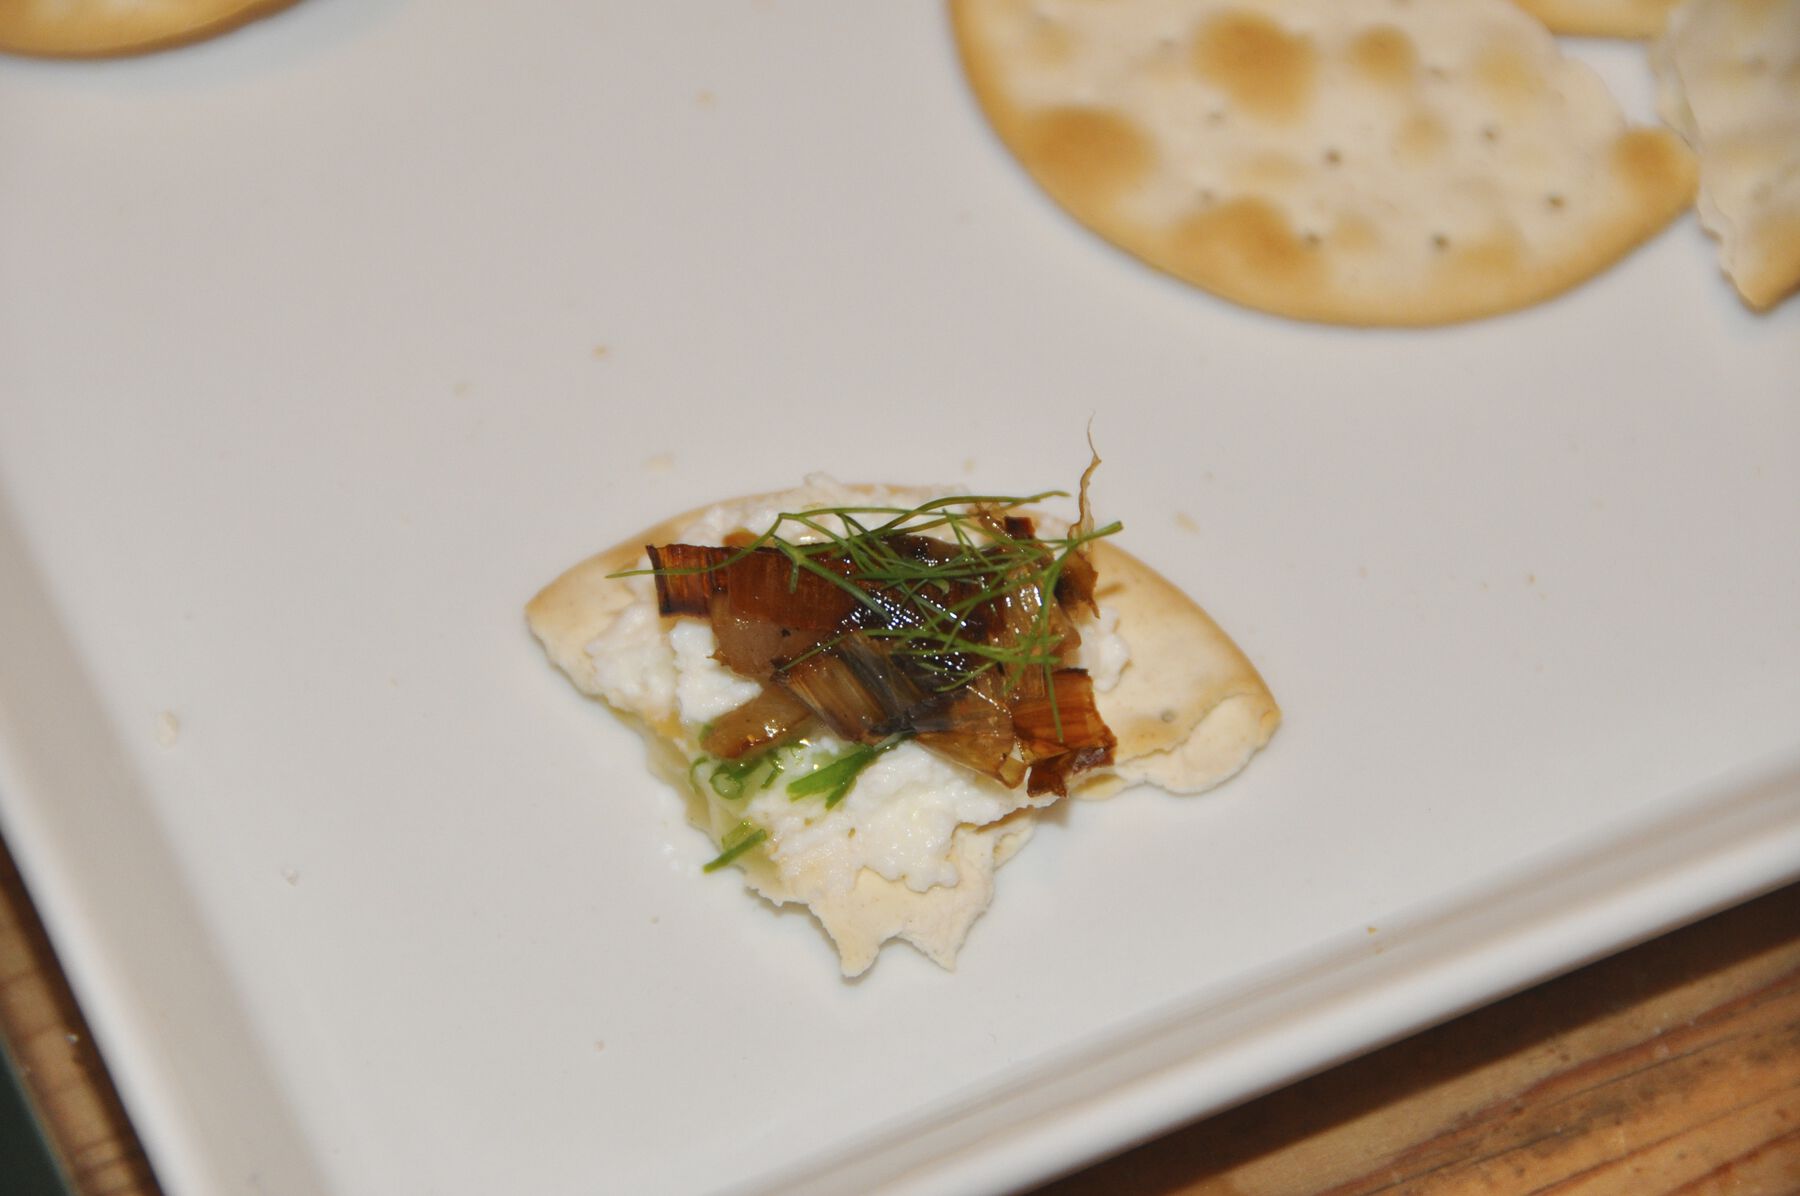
865, 692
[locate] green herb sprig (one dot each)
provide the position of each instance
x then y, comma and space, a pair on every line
833, 780
988, 563
737, 841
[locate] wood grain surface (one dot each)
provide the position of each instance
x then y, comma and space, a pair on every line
63, 1075
1671, 1068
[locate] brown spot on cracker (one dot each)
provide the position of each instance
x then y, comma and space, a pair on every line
1246, 240
1508, 78
1086, 157
1651, 160
1355, 234
1385, 56
1421, 137
1266, 71
1495, 257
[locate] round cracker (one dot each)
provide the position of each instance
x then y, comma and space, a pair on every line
1343, 161
101, 28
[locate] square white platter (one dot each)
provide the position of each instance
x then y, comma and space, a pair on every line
324, 344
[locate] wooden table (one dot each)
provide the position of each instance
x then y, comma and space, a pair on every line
1671, 1068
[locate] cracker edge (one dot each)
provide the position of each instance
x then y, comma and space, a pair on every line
27, 31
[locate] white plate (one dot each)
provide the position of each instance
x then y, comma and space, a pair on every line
302, 394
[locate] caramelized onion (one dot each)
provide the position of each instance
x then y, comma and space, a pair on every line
771, 717
686, 577
766, 585
1061, 732
1075, 583
1052, 775
923, 549
1061, 718
971, 727
755, 648
855, 688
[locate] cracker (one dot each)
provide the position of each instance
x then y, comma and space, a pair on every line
1728, 75
1344, 161
1601, 18
98, 28
1188, 712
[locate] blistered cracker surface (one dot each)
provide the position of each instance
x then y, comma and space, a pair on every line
1348, 161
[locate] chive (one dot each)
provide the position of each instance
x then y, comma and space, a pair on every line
737, 841
728, 777
834, 779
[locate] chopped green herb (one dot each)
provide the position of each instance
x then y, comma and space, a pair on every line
737, 841
834, 779
728, 776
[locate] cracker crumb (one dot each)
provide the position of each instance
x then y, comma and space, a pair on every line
705, 98
601, 352
599, 1045
661, 463
168, 729
291, 875
1186, 522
